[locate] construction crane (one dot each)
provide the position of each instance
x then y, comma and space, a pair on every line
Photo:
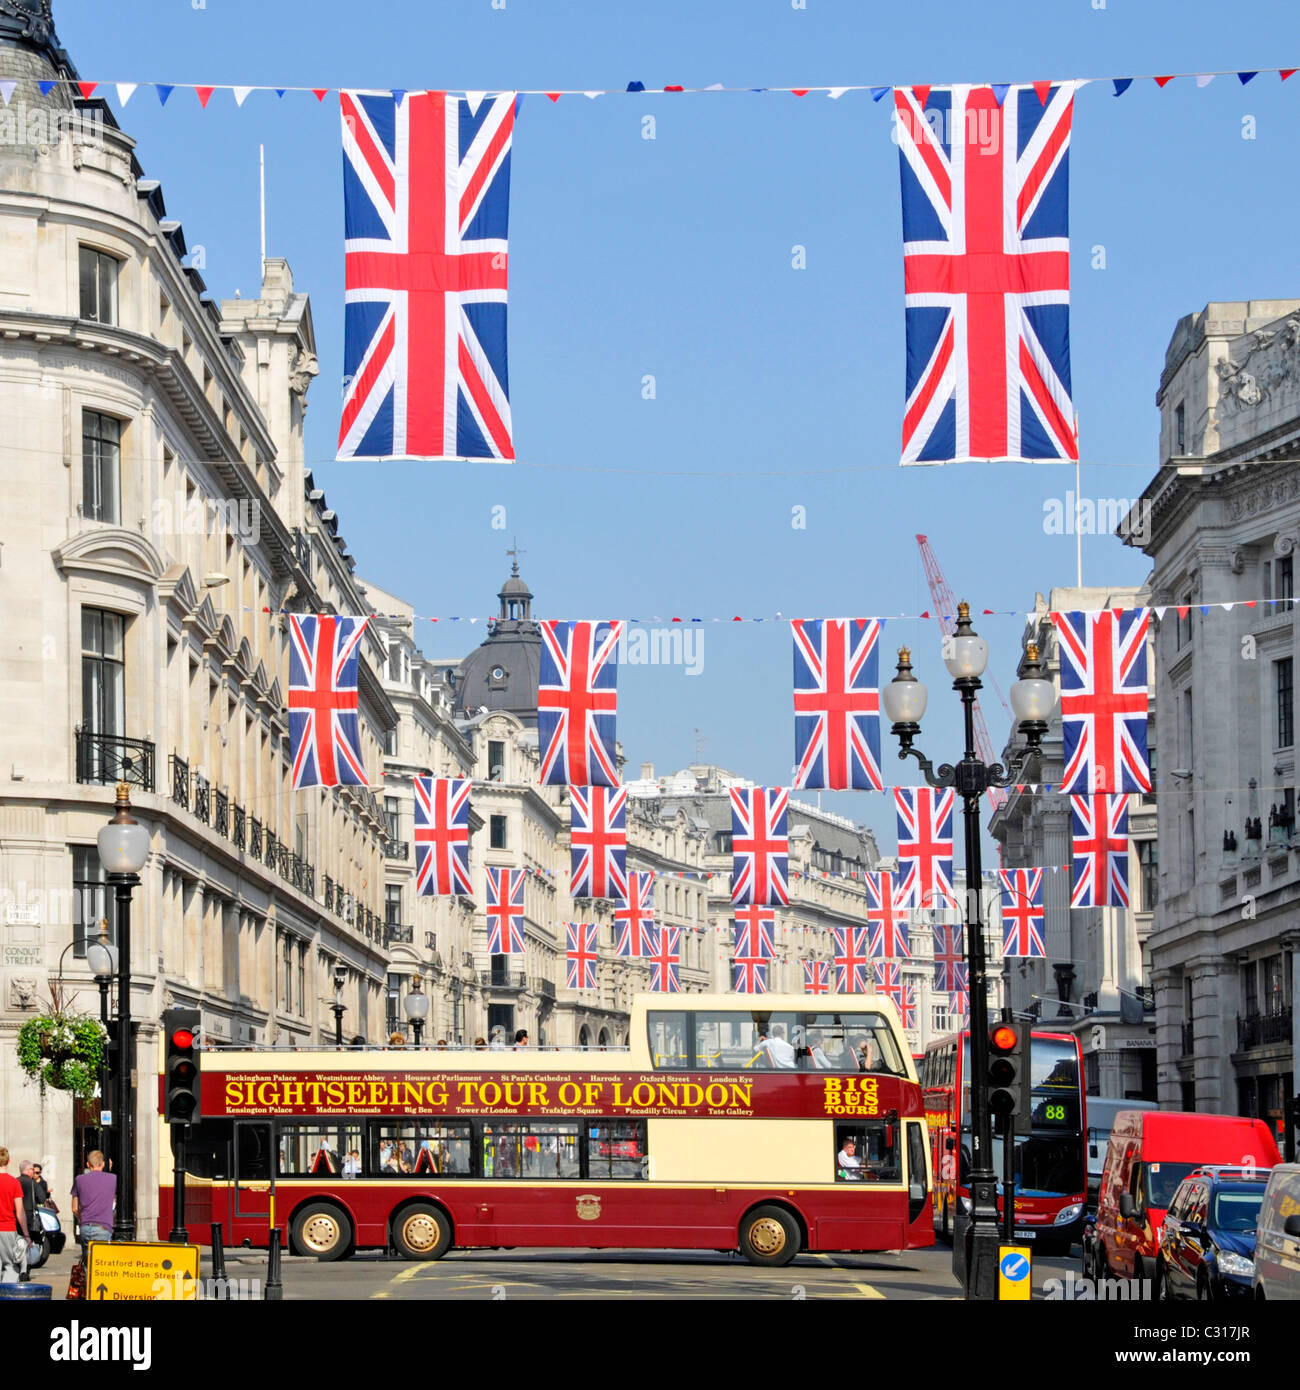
946, 612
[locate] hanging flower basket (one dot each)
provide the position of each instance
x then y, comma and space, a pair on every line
64, 1051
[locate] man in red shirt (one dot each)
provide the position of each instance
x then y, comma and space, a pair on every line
13, 1224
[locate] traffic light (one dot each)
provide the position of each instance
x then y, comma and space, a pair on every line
1008, 1092
181, 1069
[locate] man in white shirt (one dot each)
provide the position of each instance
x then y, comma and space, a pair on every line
848, 1156
779, 1052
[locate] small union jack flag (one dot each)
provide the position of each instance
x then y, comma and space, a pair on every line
887, 915
837, 703
959, 1006
949, 955
582, 954
1104, 700
760, 844
1022, 912
442, 836
505, 911
665, 962
1100, 831
749, 975
635, 918
909, 1006
925, 846
755, 932
816, 977
598, 842
851, 959
324, 732
577, 702
889, 982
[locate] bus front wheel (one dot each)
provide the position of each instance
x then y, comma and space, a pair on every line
422, 1232
321, 1229
769, 1236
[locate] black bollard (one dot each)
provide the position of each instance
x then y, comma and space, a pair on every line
274, 1291
218, 1253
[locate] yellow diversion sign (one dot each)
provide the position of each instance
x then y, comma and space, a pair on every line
142, 1271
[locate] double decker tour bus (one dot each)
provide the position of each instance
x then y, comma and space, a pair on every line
766, 1125
1048, 1164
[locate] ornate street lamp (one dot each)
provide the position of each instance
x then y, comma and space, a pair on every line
340, 979
101, 958
123, 849
1033, 698
416, 1008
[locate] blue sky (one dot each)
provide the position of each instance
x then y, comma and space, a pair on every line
672, 258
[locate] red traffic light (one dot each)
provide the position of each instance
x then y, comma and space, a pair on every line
182, 1037
1004, 1038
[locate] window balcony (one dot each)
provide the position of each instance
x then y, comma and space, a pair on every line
546, 988
239, 827
1263, 1030
221, 814
503, 979
106, 759
180, 780
396, 849
202, 798
396, 934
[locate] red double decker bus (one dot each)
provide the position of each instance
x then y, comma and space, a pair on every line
1049, 1162
767, 1126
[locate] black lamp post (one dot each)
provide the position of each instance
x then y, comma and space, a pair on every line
416, 1008
123, 849
101, 957
1032, 699
340, 979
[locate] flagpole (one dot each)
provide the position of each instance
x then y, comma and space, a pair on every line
261, 155
1078, 535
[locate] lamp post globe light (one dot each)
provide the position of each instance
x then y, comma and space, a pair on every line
123, 848
340, 979
416, 1008
1033, 699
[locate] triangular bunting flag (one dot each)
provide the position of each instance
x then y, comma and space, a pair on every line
675, 88
922, 95
280, 91
1160, 614
635, 86
1205, 610
1284, 73
800, 91
554, 96
473, 99
320, 93
1204, 79
1227, 607
47, 87
1183, 610
1000, 90
399, 95
204, 95
715, 87
878, 92
1163, 81
164, 91
7, 89
125, 90
835, 93
87, 89
1042, 89
1244, 77
591, 96
1122, 84
1250, 602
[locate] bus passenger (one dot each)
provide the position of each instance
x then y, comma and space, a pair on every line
816, 1054
848, 1160
774, 1047
864, 1053
352, 1164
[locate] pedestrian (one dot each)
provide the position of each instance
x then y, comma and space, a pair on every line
521, 1039
14, 1231
35, 1231
94, 1196
43, 1198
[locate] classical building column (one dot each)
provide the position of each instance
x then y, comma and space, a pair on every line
1211, 1043
1169, 1041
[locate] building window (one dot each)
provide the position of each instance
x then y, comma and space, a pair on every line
392, 814
393, 904
286, 997
1180, 429
939, 1019
497, 832
103, 673
1250, 989
1092, 1062
1284, 574
101, 467
395, 662
98, 285
1189, 747
92, 904
1277, 983
1191, 844
390, 743
1184, 628
496, 760
1149, 869
1284, 681
302, 982
393, 1021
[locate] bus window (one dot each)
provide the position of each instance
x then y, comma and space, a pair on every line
729, 1040
207, 1149
531, 1149
848, 1042
320, 1150
616, 1149
421, 1146
867, 1151
667, 1030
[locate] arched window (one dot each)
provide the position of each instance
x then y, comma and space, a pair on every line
584, 1036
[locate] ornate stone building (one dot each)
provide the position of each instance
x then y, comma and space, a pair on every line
1220, 521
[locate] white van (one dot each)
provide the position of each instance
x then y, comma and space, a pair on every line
1101, 1112
1277, 1239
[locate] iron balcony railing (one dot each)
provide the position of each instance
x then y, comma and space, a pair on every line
180, 779
546, 988
202, 798
239, 827
395, 933
328, 883
396, 849
1262, 1030
221, 813
269, 847
503, 979
104, 759
255, 837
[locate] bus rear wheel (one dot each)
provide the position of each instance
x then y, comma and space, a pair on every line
422, 1232
769, 1236
321, 1229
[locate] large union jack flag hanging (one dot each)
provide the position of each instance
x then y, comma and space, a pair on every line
666, 961
1099, 825
851, 959
959, 1006
887, 915
749, 975
577, 702
324, 733
442, 836
426, 184
949, 955
583, 941
925, 846
817, 977
635, 918
889, 982
1104, 700
1022, 912
986, 257
755, 932
760, 846
837, 703
598, 842
505, 911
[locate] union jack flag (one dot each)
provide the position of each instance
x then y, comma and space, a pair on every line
665, 962
749, 975
1104, 700
887, 915
598, 842
755, 931
1099, 825
426, 185
760, 845
959, 1006
1022, 912
925, 846
577, 702
909, 1006
986, 267
505, 911
635, 918
949, 955
889, 982
816, 977
837, 703
582, 954
442, 836
324, 733
850, 960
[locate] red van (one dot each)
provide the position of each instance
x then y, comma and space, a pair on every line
1150, 1153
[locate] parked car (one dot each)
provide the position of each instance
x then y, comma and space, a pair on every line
1277, 1246
1102, 1111
1207, 1247
1149, 1155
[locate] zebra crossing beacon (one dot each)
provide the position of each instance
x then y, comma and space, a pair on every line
702, 1134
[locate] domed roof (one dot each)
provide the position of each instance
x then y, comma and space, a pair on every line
502, 673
